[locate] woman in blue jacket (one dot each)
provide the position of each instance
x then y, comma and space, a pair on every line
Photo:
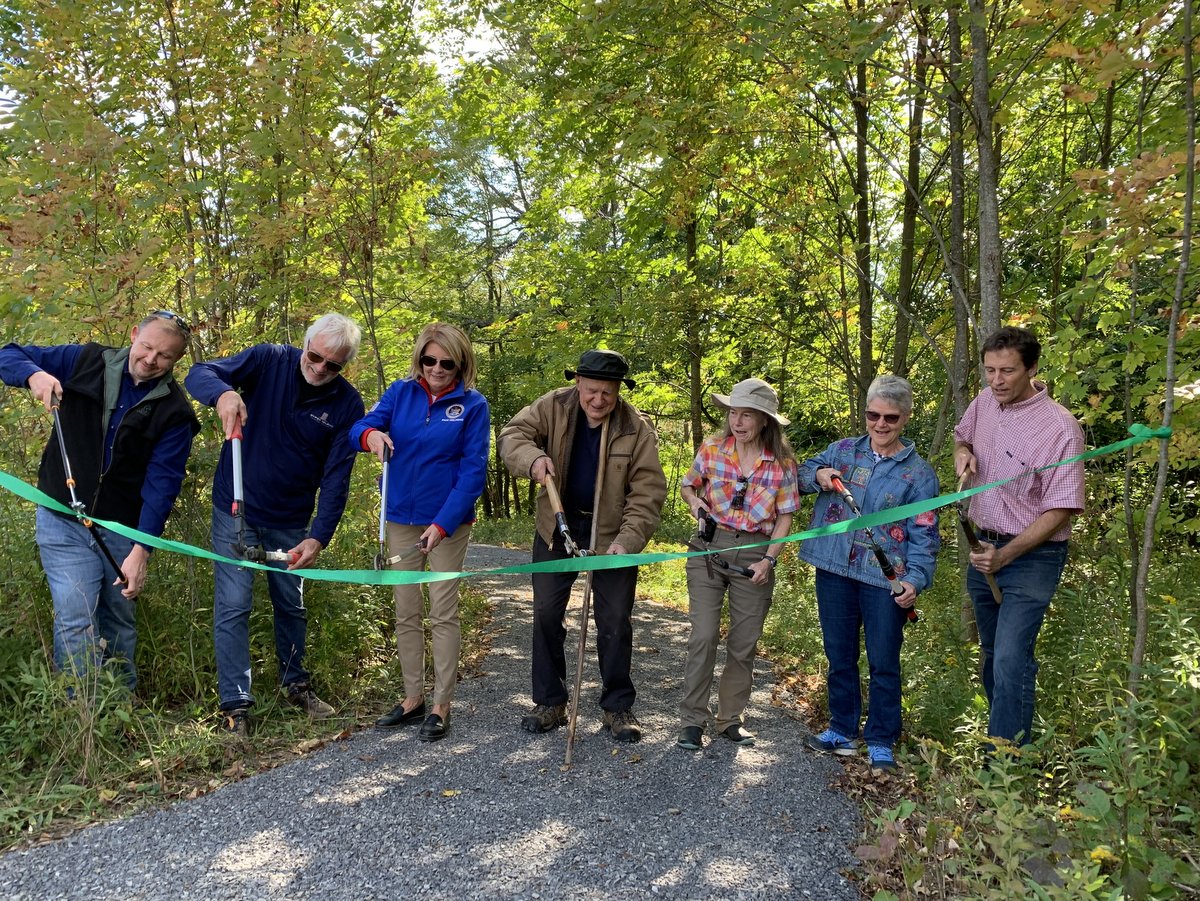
880, 470
437, 427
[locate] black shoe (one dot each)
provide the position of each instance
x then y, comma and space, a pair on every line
738, 735
434, 728
690, 738
398, 717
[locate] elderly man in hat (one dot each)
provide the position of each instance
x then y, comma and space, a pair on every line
742, 490
609, 478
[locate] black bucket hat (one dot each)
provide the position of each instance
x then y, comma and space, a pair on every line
605, 365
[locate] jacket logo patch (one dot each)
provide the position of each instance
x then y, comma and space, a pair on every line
323, 419
454, 411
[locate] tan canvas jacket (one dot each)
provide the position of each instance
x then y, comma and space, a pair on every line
634, 488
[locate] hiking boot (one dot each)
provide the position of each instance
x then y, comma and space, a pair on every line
833, 743
545, 718
882, 759
301, 695
623, 725
235, 723
691, 738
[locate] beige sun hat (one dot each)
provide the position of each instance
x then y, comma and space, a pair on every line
753, 394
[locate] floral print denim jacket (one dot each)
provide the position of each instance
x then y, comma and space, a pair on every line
911, 544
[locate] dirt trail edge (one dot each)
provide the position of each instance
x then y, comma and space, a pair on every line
489, 812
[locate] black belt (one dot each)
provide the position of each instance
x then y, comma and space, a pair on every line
995, 536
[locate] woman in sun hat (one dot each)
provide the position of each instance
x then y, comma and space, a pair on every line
741, 487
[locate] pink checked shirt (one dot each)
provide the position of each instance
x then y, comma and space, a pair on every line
1008, 440
770, 491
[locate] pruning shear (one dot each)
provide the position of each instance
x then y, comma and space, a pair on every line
885, 565
253, 553
968, 530
706, 528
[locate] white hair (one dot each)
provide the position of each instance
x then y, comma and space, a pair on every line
339, 332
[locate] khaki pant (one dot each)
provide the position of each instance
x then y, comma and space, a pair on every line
444, 628
748, 606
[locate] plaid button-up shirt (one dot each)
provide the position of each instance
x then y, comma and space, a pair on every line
716, 477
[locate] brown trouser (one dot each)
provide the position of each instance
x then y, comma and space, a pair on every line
748, 606
444, 628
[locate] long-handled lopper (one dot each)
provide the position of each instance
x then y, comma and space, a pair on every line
77, 505
560, 519
968, 530
585, 611
253, 553
889, 571
706, 527
381, 559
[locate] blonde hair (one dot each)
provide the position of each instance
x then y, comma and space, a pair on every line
454, 341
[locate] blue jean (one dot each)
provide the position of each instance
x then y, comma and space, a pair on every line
93, 621
233, 595
1008, 634
846, 607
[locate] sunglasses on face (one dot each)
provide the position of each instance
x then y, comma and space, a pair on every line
739, 497
446, 365
889, 418
172, 317
316, 360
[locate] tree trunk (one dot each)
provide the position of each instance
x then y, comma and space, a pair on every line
862, 235
986, 141
908, 224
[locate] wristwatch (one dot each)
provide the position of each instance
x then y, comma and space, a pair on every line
774, 562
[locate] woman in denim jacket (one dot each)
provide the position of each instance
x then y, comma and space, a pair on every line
881, 470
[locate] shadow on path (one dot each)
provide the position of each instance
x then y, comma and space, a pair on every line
490, 811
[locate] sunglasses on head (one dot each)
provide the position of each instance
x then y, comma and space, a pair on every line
316, 359
172, 317
447, 365
739, 497
889, 418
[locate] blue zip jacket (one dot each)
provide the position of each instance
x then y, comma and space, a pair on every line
291, 449
439, 466
911, 544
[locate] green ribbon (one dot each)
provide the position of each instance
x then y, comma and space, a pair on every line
22, 489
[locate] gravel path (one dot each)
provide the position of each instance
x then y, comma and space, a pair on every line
489, 812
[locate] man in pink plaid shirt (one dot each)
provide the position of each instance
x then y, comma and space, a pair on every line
1011, 429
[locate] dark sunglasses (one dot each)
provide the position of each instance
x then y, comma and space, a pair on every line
172, 317
889, 418
447, 365
316, 359
739, 498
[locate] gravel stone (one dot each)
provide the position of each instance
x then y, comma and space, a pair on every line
491, 811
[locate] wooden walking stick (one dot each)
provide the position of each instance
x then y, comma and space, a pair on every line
968, 530
587, 594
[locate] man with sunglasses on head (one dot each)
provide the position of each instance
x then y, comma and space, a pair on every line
559, 436
294, 410
1011, 429
127, 428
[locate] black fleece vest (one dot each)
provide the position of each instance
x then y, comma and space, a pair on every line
89, 396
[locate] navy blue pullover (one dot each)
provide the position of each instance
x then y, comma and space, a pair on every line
294, 442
